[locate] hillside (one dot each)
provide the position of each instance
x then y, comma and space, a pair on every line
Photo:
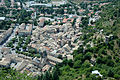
9, 74
105, 54
48, 52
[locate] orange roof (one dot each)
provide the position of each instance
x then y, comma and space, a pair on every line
65, 20
47, 48
33, 45
72, 20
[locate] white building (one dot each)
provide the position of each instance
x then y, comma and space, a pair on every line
2, 18
97, 73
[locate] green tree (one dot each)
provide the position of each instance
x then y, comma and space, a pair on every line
70, 63
117, 76
55, 74
86, 64
77, 64
110, 73
87, 56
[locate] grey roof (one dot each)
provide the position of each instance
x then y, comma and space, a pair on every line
20, 65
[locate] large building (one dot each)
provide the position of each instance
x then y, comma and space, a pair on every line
25, 30
4, 36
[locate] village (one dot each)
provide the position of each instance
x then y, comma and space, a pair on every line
37, 48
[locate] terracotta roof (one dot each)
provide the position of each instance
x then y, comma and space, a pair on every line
47, 48
65, 20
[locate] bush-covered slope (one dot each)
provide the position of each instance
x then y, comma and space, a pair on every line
9, 74
104, 56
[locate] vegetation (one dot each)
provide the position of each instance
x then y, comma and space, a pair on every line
9, 74
20, 44
104, 56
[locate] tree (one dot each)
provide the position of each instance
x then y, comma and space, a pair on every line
65, 62
117, 76
85, 21
70, 63
37, 55
24, 47
77, 64
67, 68
55, 74
60, 56
47, 76
78, 57
60, 11
78, 13
86, 64
110, 62
110, 73
17, 47
102, 51
93, 77
99, 60
87, 56
31, 50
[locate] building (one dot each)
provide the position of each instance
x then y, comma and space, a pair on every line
97, 73
5, 50
2, 18
46, 68
4, 36
21, 65
41, 22
69, 57
25, 30
5, 62
53, 59
22, 26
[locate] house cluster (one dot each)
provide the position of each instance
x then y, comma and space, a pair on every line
63, 20
57, 40
24, 30
33, 66
4, 36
